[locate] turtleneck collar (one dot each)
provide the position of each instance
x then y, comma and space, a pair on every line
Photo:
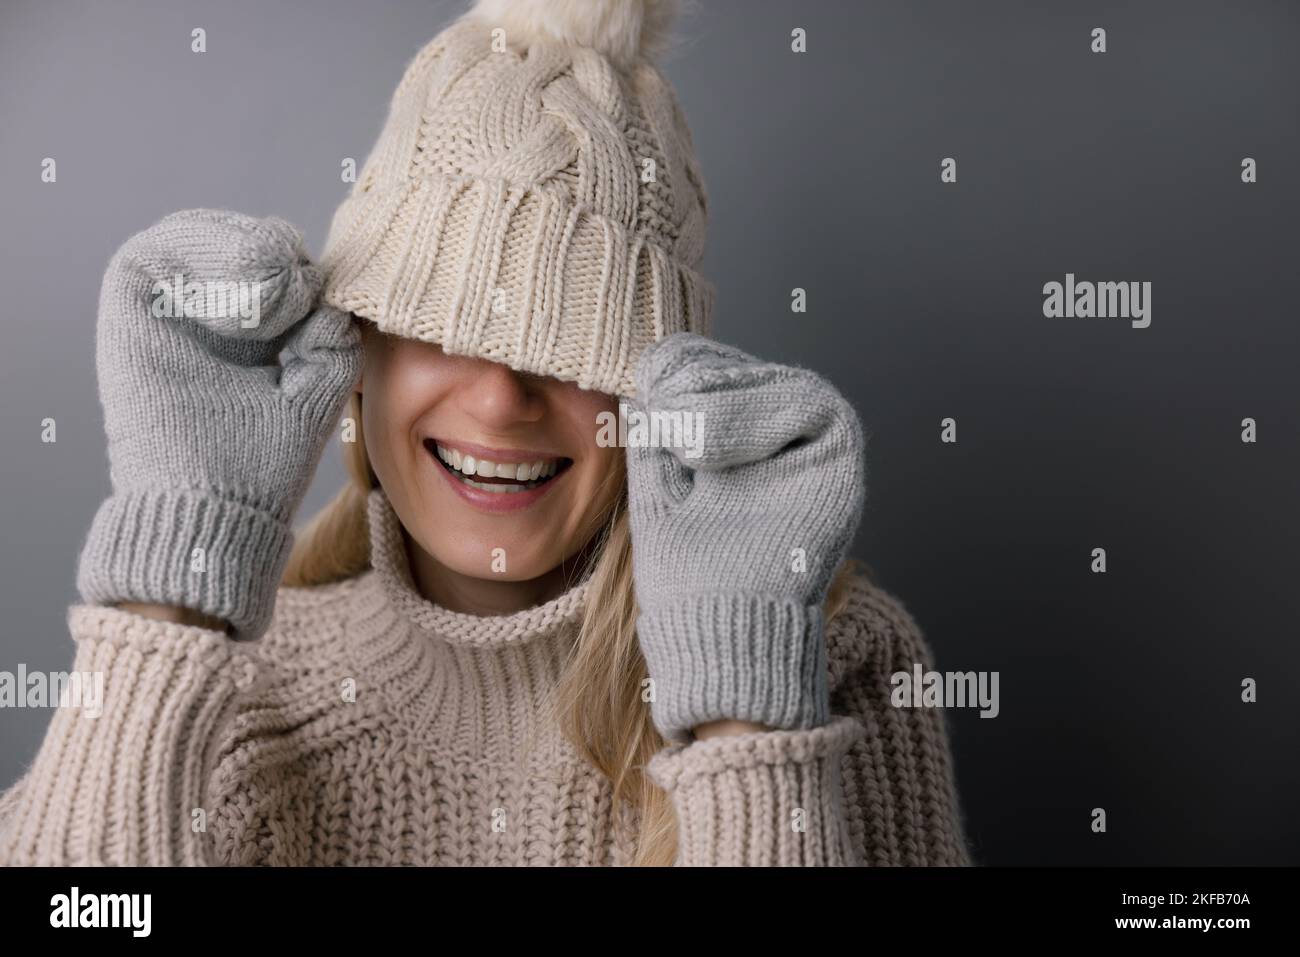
471, 682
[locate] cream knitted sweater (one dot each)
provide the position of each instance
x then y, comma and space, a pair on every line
370, 726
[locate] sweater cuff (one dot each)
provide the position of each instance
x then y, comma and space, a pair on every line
735, 656
768, 798
189, 549
119, 777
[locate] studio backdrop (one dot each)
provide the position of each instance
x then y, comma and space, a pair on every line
1048, 251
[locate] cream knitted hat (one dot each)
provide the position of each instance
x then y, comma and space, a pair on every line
534, 197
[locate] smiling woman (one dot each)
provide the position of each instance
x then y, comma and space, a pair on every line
507, 640
414, 398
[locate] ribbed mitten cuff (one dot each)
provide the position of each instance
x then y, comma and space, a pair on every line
143, 546
735, 656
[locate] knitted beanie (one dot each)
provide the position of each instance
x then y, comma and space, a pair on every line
534, 197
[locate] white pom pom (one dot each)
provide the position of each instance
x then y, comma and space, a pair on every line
620, 29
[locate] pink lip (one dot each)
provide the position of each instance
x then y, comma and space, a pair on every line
494, 503
497, 455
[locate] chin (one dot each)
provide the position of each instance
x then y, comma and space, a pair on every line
514, 563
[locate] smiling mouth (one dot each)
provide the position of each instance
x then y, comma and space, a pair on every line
504, 478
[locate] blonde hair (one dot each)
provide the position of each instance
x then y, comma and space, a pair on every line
597, 701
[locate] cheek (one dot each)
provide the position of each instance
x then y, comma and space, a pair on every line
395, 393
400, 384
605, 484
604, 467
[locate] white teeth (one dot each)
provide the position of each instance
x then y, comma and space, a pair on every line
518, 471
499, 489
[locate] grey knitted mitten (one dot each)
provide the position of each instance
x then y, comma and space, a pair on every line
733, 551
215, 422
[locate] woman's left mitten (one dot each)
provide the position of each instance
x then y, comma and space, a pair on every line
737, 532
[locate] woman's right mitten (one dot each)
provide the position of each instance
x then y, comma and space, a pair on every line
220, 381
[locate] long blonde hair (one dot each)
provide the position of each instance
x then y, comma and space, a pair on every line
597, 701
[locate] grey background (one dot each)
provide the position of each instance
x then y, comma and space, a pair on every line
1119, 691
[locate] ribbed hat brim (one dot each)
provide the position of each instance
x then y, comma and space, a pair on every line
518, 276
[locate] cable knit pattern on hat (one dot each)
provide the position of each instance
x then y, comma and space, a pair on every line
531, 202
371, 727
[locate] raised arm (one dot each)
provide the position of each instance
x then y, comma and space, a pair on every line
220, 381
734, 543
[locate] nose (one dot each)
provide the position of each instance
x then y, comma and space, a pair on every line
498, 397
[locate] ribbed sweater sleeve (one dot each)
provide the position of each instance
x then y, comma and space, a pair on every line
772, 798
873, 787
123, 787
